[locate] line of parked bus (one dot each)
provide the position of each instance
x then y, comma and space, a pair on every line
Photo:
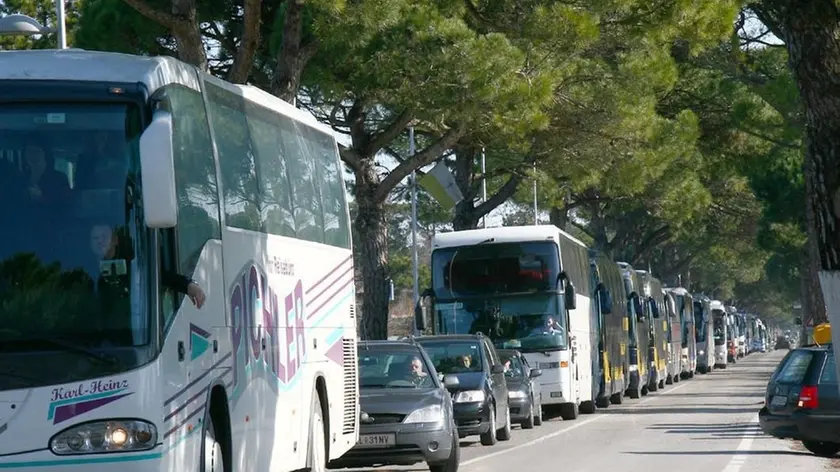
598, 330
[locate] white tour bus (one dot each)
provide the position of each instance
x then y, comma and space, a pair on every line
126, 182
527, 288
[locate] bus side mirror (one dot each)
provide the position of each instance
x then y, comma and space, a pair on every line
605, 298
654, 307
157, 171
423, 310
569, 292
637, 307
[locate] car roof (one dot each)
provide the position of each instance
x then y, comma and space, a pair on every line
450, 337
407, 345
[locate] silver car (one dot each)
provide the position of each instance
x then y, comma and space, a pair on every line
406, 414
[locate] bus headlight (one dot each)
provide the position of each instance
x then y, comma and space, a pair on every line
429, 414
105, 436
469, 396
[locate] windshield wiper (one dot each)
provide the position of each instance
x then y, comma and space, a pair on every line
70, 347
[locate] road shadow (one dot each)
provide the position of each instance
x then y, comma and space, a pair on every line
720, 453
712, 430
718, 394
681, 410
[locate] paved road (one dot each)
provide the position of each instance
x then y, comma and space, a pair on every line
706, 424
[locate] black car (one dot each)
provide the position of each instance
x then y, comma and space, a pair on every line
406, 412
481, 396
782, 342
803, 401
525, 404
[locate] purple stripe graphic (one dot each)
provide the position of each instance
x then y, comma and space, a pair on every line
201, 392
198, 410
336, 352
312, 287
199, 331
65, 412
327, 288
316, 310
198, 379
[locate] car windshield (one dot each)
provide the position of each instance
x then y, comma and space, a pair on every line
527, 323
454, 357
382, 367
514, 368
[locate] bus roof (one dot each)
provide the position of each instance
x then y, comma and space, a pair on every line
678, 291
504, 234
96, 66
717, 305
152, 71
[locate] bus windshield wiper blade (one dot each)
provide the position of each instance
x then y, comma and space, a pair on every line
69, 347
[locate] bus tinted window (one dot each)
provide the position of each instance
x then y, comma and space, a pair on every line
280, 177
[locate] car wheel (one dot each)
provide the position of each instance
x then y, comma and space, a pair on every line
489, 438
529, 421
454, 459
822, 449
538, 416
504, 432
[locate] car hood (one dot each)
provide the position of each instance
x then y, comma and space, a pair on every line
514, 384
401, 401
469, 381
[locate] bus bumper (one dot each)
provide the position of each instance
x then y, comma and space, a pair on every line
46, 461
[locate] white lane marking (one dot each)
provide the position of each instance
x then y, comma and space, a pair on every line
563, 431
740, 457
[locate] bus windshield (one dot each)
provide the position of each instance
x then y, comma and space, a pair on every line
527, 322
495, 269
71, 240
700, 326
719, 331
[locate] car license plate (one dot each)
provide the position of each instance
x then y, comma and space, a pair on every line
778, 400
377, 440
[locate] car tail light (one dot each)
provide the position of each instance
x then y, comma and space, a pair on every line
808, 397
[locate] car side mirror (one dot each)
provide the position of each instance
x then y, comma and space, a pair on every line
535, 373
450, 381
497, 369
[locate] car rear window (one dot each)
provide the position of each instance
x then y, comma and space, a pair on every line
829, 373
795, 368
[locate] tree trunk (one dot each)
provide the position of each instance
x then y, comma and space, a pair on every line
372, 231
183, 24
811, 32
813, 302
464, 215
293, 55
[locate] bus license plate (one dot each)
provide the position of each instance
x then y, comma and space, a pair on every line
377, 440
779, 400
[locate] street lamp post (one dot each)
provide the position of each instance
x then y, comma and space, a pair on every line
22, 25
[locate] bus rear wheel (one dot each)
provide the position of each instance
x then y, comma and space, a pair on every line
317, 451
213, 460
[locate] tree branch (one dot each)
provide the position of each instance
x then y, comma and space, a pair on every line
387, 135
165, 19
499, 197
422, 158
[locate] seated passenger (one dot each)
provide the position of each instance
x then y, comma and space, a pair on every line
105, 242
45, 184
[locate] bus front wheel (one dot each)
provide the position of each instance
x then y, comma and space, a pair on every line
213, 455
